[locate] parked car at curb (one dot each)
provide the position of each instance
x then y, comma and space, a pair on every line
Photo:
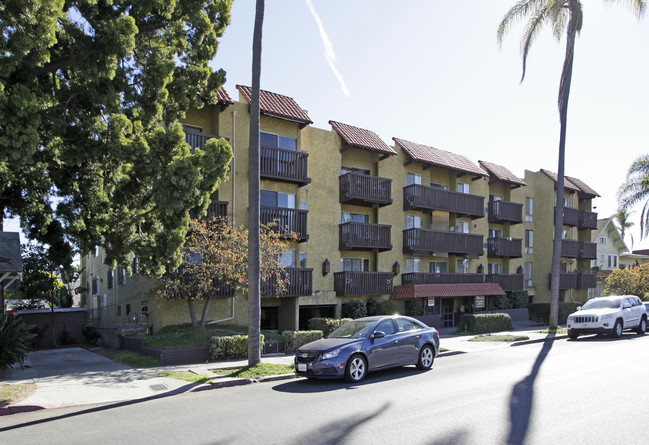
369, 344
608, 315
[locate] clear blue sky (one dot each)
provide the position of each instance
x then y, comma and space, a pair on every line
432, 72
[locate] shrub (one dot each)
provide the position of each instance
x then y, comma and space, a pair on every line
373, 306
90, 334
15, 341
485, 323
518, 299
387, 307
414, 308
326, 325
235, 346
354, 309
295, 339
540, 312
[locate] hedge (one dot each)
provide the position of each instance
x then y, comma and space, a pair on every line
295, 339
326, 325
485, 323
540, 312
230, 347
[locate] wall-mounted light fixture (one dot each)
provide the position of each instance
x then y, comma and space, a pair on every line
326, 267
519, 270
480, 268
396, 268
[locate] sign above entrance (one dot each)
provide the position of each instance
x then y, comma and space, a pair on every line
480, 302
431, 302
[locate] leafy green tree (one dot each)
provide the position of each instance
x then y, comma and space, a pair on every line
632, 280
216, 262
623, 218
40, 280
563, 16
91, 152
635, 190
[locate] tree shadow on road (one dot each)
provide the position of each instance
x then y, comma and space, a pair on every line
522, 398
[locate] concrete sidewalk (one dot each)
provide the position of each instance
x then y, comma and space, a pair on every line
76, 376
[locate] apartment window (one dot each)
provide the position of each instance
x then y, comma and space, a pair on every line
614, 261
463, 188
121, 276
602, 259
495, 198
529, 209
271, 140
128, 310
413, 222
495, 233
288, 258
414, 178
110, 279
528, 274
529, 241
136, 266
462, 227
354, 264
303, 205
303, 260
462, 266
413, 265
438, 186
345, 170
95, 285
603, 240
438, 267
494, 269
354, 217
270, 198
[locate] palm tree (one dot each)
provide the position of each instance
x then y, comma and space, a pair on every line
622, 216
636, 189
563, 16
254, 299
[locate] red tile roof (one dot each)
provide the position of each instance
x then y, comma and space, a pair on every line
224, 97
500, 173
360, 138
574, 184
408, 291
441, 158
276, 105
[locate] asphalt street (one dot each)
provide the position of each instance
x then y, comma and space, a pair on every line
585, 391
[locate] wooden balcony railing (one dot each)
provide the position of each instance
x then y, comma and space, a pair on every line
291, 220
502, 211
284, 165
217, 209
587, 251
569, 248
300, 284
364, 236
508, 282
197, 139
567, 280
578, 249
586, 280
365, 190
570, 216
504, 248
421, 197
352, 284
576, 280
441, 278
425, 241
587, 220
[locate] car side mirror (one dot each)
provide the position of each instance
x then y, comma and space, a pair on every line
378, 334
627, 305
578, 308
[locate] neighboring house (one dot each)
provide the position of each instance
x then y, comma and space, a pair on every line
11, 263
637, 257
408, 222
611, 248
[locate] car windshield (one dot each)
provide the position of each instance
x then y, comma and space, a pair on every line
353, 329
603, 303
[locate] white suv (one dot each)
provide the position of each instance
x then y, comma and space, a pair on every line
608, 315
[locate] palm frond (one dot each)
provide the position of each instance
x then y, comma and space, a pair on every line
515, 14
638, 6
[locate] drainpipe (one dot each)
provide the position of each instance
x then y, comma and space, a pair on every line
234, 170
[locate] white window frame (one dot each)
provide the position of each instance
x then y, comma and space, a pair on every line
414, 178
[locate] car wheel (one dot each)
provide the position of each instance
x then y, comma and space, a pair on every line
426, 357
617, 329
572, 335
356, 369
642, 327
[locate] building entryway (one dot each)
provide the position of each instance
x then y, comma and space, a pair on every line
309, 312
448, 314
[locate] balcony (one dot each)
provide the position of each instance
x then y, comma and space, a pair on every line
300, 284
508, 282
217, 209
421, 197
586, 280
196, 139
291, 220
283, 165
581, 250
576, 280
587, 251
569, 248
587, 220
425, 242
505, 211
353, 284
364, 236
570, 216
441, 278
365, 190
504, 248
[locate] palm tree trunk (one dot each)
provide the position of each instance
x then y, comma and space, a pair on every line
254, 300
564, 93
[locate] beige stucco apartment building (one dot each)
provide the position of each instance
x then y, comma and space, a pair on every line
398, 220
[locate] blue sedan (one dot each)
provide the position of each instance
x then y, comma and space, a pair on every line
368, 344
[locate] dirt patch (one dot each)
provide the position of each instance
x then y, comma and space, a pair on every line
10, 393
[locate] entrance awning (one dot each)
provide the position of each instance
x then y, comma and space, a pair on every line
409, 291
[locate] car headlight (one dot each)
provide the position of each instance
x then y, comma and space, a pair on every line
607, 316
331, 354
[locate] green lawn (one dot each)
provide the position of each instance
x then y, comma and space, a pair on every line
499, 338
133, 359
187, 376
256, 371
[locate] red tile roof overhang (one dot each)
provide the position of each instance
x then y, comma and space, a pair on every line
408, 291
362, 139
277, 105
